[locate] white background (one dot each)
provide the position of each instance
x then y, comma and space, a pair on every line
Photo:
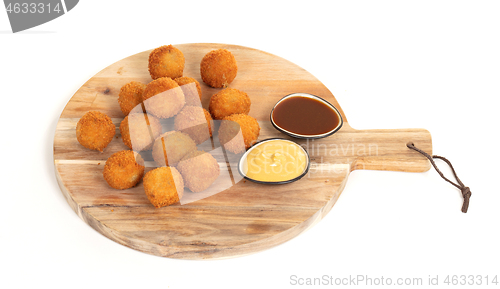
390, 64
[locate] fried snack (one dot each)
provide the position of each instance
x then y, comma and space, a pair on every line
139, 130
210, 122
130, 96
95, 130
238, 132
123, 170
170, 147
192, 92
199, 170
163, 186
229, 101
195, 122
163, 98
166, 61
218, 68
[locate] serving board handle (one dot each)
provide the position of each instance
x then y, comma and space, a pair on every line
385, 149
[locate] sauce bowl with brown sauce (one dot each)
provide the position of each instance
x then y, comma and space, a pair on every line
305, 116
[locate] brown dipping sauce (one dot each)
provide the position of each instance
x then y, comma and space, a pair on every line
305, 116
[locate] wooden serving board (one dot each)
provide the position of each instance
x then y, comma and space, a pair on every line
247, 217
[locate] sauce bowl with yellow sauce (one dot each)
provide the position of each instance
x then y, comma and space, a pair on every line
306, 116
274, 161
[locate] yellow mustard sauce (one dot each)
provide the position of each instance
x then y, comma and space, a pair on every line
275, 161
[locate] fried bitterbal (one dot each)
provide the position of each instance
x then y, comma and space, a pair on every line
170, 147
195, 122
130, 96
166, 61
163, 186
95, 130
238, 132
163, 98
229, 101
191, 89
218, 68
199, 170
139, 130
123, 170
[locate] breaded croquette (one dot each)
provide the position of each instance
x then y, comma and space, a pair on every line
130, 96
163, 186
199, 170
123, 170
170, 147
191, 89
95, 130
139, 130
238, 132
218, 68
166, 61
195, 122
229, 101
163, 98
210, 121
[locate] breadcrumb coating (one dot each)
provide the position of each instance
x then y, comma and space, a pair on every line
163, 98
199, 170
238, 132
95, 130
130, 96
192, 92
195, 122
218, 68
123, 170
163, 186
139, 130
170, 147
166, 61
229, 101
210, 121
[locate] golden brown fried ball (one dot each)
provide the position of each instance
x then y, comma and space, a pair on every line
229, 101
163, 186
199, 170
166, 61
170, 147
130, 96
195, 122
139, 130
218, 68
123, 170
210, 121
191, 89
163, 98
95, 130
238, 132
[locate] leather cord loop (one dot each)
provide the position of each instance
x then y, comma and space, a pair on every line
466, 193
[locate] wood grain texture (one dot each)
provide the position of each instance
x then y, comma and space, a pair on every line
246, 217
